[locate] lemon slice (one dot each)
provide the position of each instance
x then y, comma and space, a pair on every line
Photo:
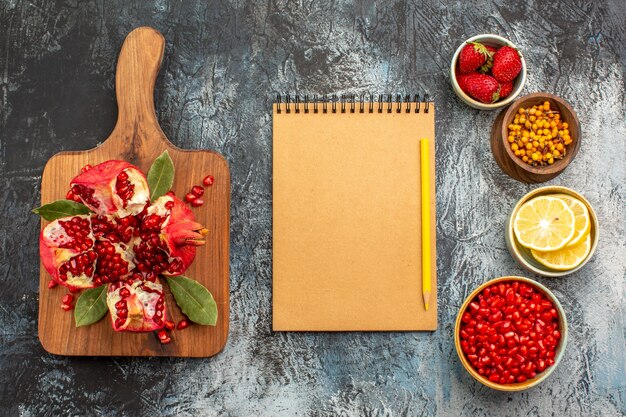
544, 223
581, 218
564, 259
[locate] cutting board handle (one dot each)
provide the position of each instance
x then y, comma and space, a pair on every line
137, 69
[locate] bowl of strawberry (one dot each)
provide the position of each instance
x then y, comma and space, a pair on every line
487, 72
510, 333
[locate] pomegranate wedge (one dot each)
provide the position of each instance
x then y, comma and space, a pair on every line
78, 255
136, 306
168, 236
112, 187
67, 251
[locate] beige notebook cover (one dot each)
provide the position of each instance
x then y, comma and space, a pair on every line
347, 219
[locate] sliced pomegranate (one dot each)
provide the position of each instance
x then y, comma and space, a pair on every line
112, 187
136, 306
126, 243
79, 254
67, 251
168, 236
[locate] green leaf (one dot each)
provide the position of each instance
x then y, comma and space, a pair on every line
91, 306
193, 299
61, 208
161, 176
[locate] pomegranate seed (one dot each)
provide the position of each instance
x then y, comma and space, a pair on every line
67, 307
73, 289
169, 205
197, 202
189, 197
208, 180
162, 334
171, 193
52, 283
197, 190
183, 324
67, 299
169, 325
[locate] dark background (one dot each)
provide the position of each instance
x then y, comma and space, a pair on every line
224, 63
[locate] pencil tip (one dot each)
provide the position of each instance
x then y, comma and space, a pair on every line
426, 306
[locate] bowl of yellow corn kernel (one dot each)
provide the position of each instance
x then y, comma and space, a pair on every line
536, 137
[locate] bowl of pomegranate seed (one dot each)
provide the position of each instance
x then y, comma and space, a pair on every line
487, 72
510, 333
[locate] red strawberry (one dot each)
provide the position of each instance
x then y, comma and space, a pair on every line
461, 79
492, 49
483, 88
505, 89
506, 64
486, 67
472, 56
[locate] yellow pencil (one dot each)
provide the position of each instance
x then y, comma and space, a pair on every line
425, 159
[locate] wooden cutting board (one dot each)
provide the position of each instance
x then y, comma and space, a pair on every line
138, 139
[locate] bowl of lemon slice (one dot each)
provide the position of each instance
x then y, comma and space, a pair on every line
552, 231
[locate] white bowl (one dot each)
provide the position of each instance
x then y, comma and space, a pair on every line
524, 257
518, 85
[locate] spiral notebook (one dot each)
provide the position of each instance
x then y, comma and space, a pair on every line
347, 214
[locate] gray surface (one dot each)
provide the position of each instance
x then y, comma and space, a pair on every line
223, 64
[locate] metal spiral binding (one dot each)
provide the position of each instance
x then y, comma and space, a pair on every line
384, 103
